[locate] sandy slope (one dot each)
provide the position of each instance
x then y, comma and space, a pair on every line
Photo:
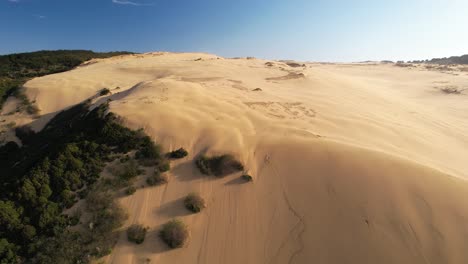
351, 163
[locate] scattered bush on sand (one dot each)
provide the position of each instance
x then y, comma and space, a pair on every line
194, 202
295, 64
130, 170
247, 178
177, 154
451, 90
218, 165
148, 150
164, 166
104, 91
174, 233
136, 233
403, 64
157, 179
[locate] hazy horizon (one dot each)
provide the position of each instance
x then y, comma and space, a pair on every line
333, 31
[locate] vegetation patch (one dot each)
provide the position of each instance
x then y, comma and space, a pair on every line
104, 91
130, 170
149, 153
51, 171
403, 64
451, 90
174, 233
16, 69
218, 165
295, 64
194, 202
136, 233
157, 179
177, 154
247, 178
130, 190
164, 166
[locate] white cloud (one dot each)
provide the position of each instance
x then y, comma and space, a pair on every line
124, 2
39, 16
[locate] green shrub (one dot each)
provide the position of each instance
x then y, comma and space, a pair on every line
177, 154
32, 109
157, 179
104, 91
130, 170
41, 178
124, 159
75, 218
247, 177
97, 200
148, 150
108, 219
218, 165
194, 202
136, 233
164, 166
130, 190
174, 233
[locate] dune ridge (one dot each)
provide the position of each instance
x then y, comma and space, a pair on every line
351, 163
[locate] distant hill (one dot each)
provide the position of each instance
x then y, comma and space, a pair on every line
451, 60
15, 69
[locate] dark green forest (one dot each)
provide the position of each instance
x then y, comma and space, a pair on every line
53, 170
450, 60
16, 69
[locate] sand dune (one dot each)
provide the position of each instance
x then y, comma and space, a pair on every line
351, 163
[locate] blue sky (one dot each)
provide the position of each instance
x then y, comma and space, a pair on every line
313, 30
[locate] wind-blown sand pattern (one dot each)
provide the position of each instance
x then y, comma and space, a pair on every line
351, 163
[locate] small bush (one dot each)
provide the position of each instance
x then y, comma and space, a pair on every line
177, 154
295, 64
247, 178
451, 90
104, 91
136, 233
74, 219
32, 109
164, 166
156, 179
108, 219
130, 190
148, 150
174, 233
124, 159
218, 165
130, 170
194, 202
